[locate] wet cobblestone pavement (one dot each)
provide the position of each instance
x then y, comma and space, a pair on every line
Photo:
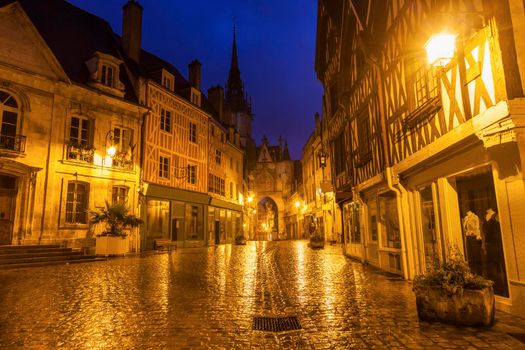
207, 297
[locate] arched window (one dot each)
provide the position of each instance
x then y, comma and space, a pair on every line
9, 113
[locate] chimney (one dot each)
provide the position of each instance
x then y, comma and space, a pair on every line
194, 69
216, 98
317, 122
132, 29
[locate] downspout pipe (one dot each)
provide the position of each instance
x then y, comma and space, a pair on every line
402, 226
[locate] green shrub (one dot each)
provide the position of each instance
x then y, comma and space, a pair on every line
451, 277
117, 219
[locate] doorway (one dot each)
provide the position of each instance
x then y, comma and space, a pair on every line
217, 231
7, 206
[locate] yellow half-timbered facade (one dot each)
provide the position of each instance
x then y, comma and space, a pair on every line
429, 143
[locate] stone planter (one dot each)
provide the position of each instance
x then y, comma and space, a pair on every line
316, 244
239, 240
472, 308
109, 245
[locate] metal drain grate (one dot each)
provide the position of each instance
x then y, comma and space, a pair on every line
518, 336
276, 324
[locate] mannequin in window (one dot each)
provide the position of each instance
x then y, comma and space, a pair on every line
493, 249
471, 229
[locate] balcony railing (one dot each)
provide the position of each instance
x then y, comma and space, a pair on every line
15, 143
122, 161
80, 153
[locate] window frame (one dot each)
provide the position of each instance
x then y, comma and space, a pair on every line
105, 78
115, 197
192, 174
164, 166
74, 203
165, 120
193, 132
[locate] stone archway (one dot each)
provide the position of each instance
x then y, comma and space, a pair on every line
267, 219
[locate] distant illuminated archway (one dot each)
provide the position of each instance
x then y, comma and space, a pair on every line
267, 219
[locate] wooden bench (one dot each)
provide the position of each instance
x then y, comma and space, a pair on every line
164, 244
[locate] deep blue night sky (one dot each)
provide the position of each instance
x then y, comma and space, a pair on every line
276, 44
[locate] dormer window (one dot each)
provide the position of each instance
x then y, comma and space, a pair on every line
195, 97
104, 72
107, 75
167, 80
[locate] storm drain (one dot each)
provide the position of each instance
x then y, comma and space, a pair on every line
276, 324
518, 336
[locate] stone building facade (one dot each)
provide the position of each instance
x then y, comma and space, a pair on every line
271, 183
63, 106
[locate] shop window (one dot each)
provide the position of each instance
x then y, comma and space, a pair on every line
428, 226
353, 228
481, 229
165, 120
77, 202
119, 195
158, 219
389, 221
194, 221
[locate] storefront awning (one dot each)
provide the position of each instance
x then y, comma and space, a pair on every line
226, 205
175, 194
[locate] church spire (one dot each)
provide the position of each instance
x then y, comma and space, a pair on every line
286, 153
234, 77
235, 97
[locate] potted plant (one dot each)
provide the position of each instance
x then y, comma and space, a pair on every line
316, 240
114, 239
451, 293
239, 239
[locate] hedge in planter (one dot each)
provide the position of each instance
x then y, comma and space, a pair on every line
451, 293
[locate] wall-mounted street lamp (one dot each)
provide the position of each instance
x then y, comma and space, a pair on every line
297, 204
440, 49
111, 150
322, 159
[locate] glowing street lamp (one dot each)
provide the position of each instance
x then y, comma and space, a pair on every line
111, 151
440, 49
297, 204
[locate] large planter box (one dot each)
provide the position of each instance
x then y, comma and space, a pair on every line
316, 244
472, 308
107, 245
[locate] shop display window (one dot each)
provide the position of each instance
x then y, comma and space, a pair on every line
481, 229
389, 221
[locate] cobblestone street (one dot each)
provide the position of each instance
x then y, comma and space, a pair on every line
207, 297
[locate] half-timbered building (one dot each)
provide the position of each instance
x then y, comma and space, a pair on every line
429, 142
